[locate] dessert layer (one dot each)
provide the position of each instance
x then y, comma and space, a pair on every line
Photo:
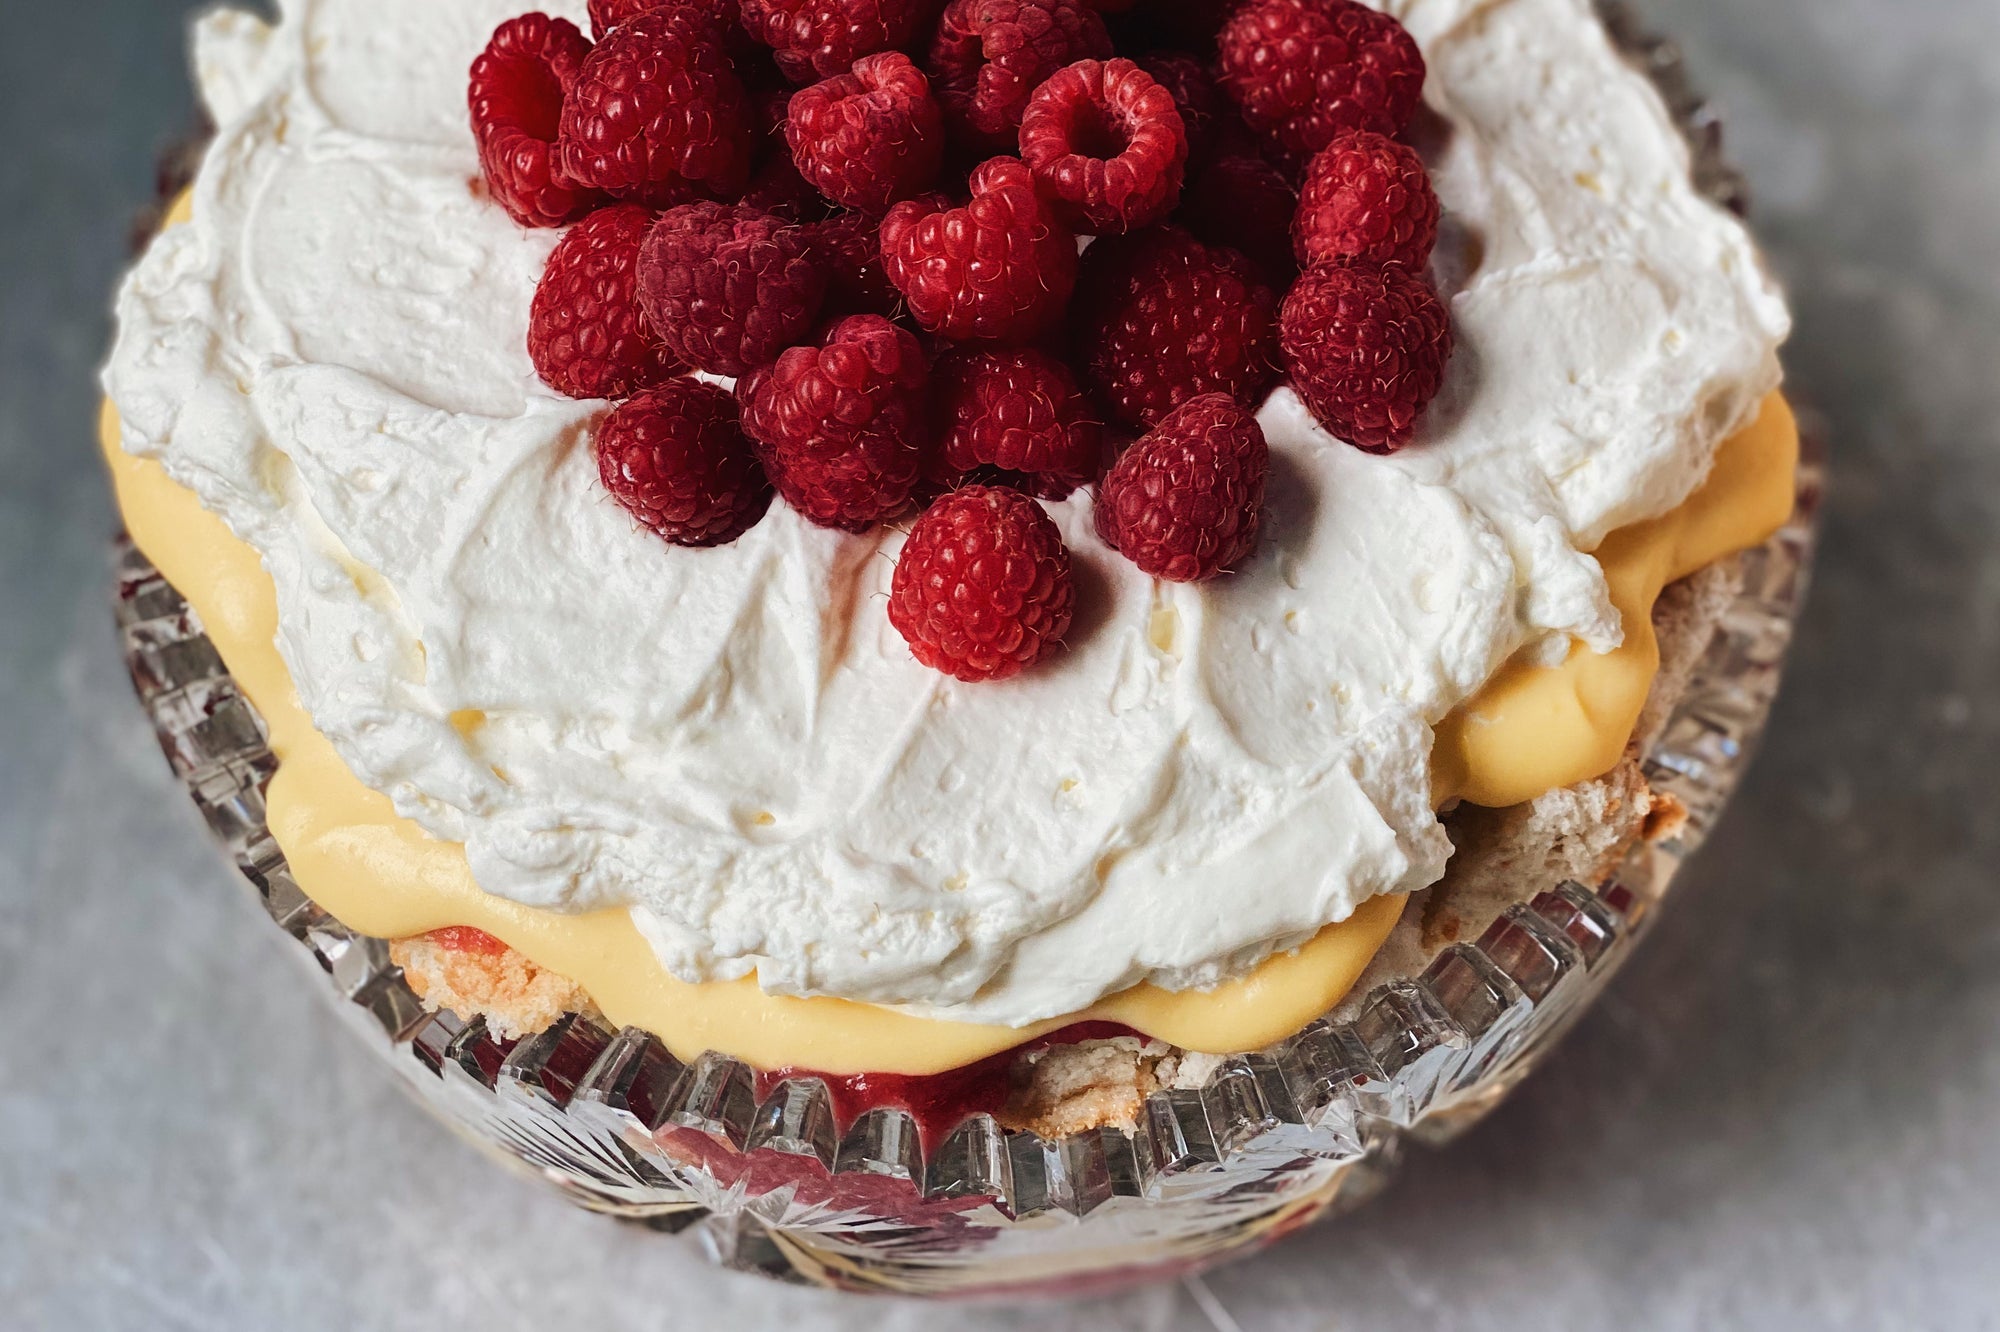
731, 744
383, 875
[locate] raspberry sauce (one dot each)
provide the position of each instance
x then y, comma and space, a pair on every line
938, 1102
466, 939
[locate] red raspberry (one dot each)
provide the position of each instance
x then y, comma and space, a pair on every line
585, 333
1366, 348
850, 247
1193, 92
1245, 203
1184, 502
848, 492
675, 457
1106, 143
1306, 71
982, 589
722, 15
1019, 411
726, 287
818, 39
516, 98
657, 113
1161, 318
840, 427
988, 55
1366, 197
869, 137
608, 14
998, 269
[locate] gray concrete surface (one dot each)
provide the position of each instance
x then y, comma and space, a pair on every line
1786, 1114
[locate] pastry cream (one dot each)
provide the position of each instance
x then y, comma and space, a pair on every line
1532, 728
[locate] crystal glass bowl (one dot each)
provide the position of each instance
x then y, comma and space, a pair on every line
771, 1183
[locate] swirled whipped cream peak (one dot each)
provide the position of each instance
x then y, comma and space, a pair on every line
733, 743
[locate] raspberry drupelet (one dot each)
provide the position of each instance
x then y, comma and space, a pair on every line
989, 55
841, 427
1365, 348
1020, 411
869, 137
1366, 197
1184, 503
1160, 318
728, 288
982, 588
657, 113
676, 459
1106, 142
819, 39
515, 97
998, 269
1305, 71
586, 333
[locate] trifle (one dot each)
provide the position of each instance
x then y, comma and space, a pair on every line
976, 643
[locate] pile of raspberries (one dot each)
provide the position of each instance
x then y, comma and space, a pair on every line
866, 214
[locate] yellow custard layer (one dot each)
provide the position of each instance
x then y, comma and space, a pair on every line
1530, 730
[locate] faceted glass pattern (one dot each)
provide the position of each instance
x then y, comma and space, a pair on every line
1273, 1140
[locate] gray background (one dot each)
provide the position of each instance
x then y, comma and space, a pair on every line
1785, 1114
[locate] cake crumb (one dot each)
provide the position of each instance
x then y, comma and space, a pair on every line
1439, 923
1067, 1089
516, 997
1665, 819
1188, 1070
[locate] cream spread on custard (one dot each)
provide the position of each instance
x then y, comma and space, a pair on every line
734, 743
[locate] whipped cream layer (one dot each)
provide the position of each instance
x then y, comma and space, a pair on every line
734, 743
